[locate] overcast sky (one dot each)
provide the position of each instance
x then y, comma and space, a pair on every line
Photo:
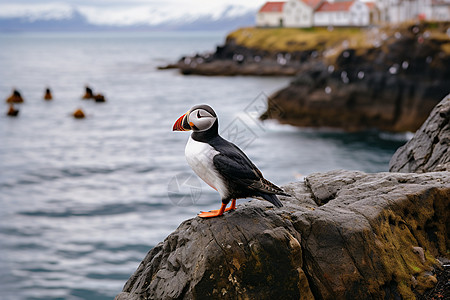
124, 12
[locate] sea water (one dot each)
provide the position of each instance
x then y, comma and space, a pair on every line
83, 201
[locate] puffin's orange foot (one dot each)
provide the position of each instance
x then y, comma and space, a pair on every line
232, 206
210, 214
216, 211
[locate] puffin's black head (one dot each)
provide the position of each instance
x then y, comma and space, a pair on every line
199, 118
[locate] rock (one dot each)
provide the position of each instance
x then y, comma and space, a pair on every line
15, 97
440, 290
380, 78
428, 150
228, 68
425, 281
342, 235
264, 51
79, 114
419, 251
391, 86
48, 94
231, 60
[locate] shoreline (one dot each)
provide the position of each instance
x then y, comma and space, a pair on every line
354, 79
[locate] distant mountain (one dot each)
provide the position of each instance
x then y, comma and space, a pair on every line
76, 22
80, 22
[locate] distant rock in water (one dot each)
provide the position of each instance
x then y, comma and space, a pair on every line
15, 97
48, 94
429, 149
343, 235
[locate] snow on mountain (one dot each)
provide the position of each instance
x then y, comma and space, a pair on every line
171, 15
33, 12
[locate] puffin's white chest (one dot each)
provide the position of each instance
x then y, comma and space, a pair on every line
200, 158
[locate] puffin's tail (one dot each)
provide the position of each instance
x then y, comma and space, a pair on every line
272, 199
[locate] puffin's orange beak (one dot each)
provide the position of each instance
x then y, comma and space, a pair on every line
182, 124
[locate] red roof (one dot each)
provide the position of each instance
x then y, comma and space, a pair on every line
312, 3
371, 5
272, 7
335, 6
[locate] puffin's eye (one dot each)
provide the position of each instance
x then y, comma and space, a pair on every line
198, 114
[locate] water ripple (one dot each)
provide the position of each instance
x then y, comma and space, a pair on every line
104, 210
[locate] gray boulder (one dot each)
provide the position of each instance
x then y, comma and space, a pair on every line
342, 235
428, 150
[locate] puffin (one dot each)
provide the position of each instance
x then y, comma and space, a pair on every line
12, 112
88, 93
221, 164
48, 94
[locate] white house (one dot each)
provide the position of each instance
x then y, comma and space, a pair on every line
440, 10
300, 13
308, 13
342, 13
271, 15
397, 11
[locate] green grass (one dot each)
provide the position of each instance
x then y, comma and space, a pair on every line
296, 39
318, 38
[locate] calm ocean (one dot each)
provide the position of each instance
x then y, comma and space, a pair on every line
83, 201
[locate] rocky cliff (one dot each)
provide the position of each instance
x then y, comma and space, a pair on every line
342, 235
354, 79
269, 51
390, 87
429, 149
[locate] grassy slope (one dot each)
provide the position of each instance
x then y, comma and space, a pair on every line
321, 39
294, 39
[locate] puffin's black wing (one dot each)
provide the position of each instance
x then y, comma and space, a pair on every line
237, 168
